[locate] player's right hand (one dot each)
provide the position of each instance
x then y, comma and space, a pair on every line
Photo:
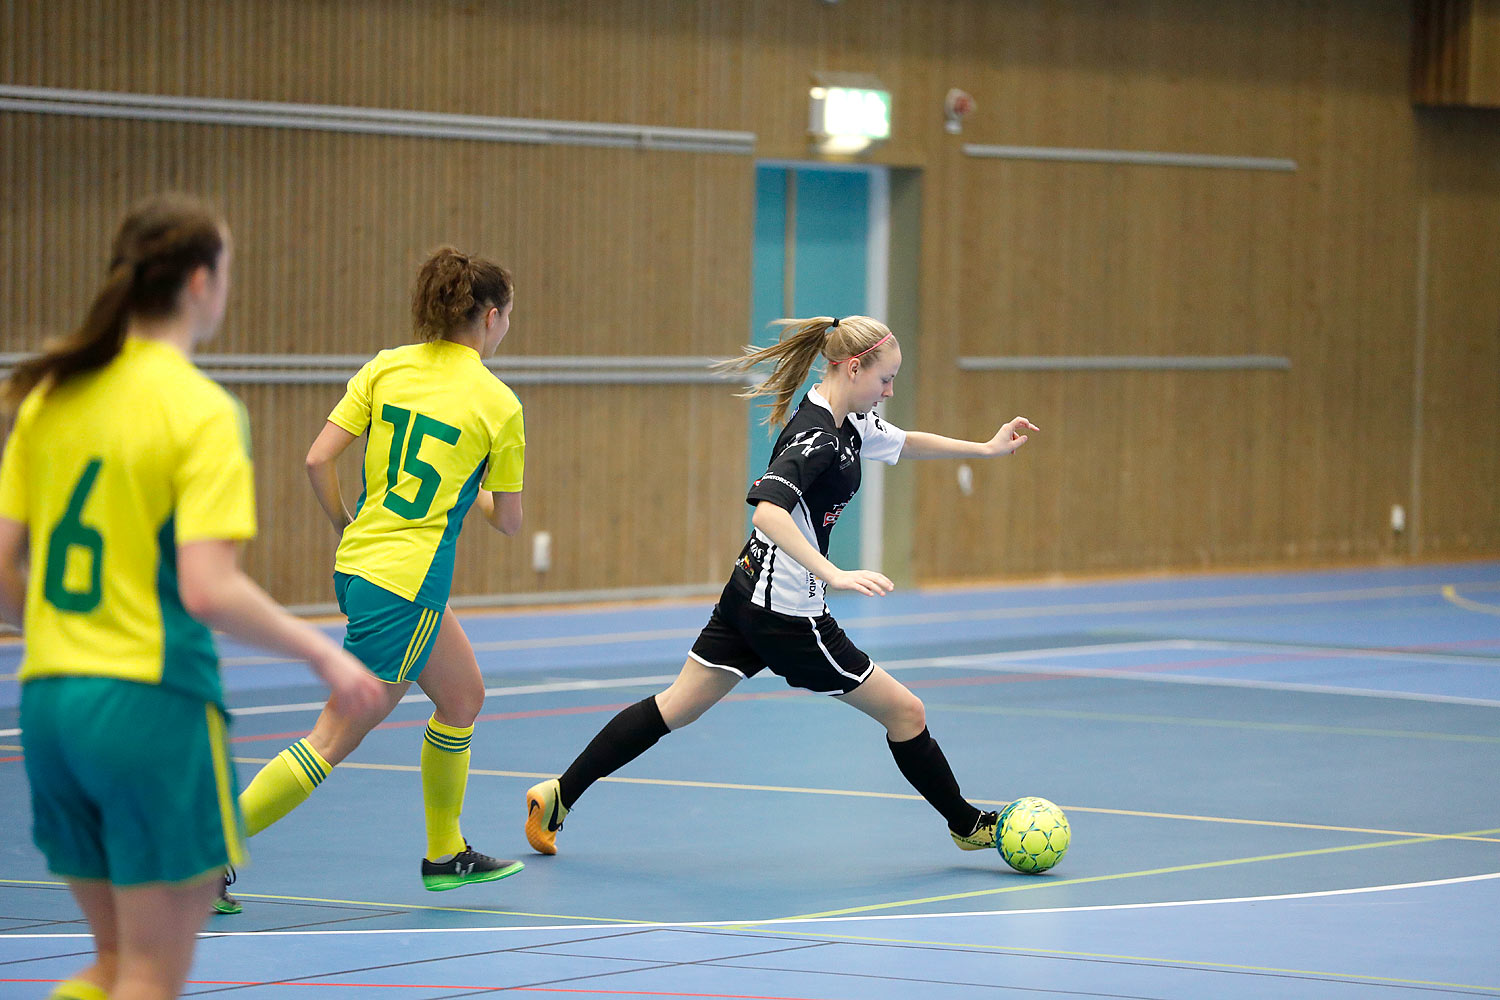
357, 691
865, 581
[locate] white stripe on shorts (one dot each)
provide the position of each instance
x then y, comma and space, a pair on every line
813, 624
716, 666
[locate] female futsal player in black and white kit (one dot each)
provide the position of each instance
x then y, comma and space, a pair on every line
771, 613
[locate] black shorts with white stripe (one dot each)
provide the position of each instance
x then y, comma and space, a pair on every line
809, 653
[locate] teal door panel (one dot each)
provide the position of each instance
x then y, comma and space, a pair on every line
830, 227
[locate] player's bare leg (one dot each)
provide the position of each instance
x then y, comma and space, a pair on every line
921, 760
452, 680
628, 735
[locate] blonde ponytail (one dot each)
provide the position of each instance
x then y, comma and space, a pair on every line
800, 344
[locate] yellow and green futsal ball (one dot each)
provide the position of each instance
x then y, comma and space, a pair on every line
1032, 834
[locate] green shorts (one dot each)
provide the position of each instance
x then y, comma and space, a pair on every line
130, 783
390, 635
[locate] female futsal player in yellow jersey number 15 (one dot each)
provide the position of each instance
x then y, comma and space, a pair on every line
125, 491
444, 434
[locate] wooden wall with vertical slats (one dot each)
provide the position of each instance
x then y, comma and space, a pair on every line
1458, 465
1456, 53
1371, 266
1325, 266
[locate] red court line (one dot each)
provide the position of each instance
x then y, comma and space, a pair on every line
987, 679
647, 993
1461, 644
533, 714
1161, 666
494, 717
454, 986
1009, 678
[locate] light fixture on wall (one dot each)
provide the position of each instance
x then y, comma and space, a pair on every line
848, 113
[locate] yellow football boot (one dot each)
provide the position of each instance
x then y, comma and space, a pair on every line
982, 839
545, 814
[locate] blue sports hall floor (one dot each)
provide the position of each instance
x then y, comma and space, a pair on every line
1280, 785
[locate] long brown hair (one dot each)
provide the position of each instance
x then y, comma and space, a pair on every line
454, 289
800, 344
159, 245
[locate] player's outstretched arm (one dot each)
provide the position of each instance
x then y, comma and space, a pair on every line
217, 593
324, 474
776, 524
502, 510
921, 444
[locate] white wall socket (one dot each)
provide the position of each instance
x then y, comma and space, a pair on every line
1398, 518
541, 551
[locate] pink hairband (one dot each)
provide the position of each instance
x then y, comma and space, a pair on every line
867, 350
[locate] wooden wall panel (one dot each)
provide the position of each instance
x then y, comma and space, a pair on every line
1456, 53
1459, 460
1319, 266
613, 251
1107, 260
634, 484
1389, 213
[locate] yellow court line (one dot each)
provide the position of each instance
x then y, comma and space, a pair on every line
7, 746
853, 793
1283, 824
387, 906
1450, 594
441, 909
1105, 956
1182, 720
1049, 884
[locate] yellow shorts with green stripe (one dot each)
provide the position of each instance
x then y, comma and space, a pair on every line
130, 783
390, 635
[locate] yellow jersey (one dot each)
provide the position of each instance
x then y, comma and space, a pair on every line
441, 427
111, 471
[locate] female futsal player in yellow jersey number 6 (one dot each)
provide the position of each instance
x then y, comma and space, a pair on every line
126, 488
444, 433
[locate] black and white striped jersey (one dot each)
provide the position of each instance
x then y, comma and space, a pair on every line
814, 473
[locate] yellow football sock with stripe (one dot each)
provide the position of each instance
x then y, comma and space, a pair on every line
282, 785
78, 989
445, 775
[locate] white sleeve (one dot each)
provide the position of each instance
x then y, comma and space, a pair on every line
879, 441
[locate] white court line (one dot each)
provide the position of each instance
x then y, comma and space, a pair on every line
515, 689
938, 617
417, 697
1106, 607
1026, 661
1128, 675
1027, 657
1347, 652
803, 921
1030, 611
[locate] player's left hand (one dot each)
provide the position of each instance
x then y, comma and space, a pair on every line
1009, 437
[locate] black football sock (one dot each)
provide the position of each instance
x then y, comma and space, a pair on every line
628, 735
922, 763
